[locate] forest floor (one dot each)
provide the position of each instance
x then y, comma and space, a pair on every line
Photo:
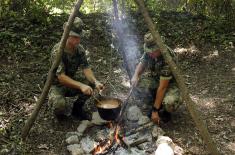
208, 68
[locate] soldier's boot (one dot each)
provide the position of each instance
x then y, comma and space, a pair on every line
165, 116
78, 111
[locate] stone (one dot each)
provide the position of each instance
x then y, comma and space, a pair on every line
72, 140
132, 151
143, 120
164, 149
231, 146
135, 151
134, 113
69, 134
83, 126
157, 131
144, 146
121, 151
75, 149
4, 151
164, 139
233, 123
178, 150
100, 135
164, 146
87, 144
130, 139
97, 120
195, 150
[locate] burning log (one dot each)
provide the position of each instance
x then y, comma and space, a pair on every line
102, 147
106, 145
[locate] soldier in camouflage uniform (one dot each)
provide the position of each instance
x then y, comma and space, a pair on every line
65, 84
159, 82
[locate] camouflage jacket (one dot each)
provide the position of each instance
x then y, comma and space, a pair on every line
157, 67
69, 63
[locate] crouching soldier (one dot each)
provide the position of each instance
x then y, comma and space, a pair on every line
65, 84
158, 81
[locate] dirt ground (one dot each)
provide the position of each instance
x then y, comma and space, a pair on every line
210, 74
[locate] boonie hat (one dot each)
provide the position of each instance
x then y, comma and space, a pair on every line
149, 43
77, 27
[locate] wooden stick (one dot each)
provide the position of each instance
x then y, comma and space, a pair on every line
138, 142
51, 72
191, 106
134, 143
145, 126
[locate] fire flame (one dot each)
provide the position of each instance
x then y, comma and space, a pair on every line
110, 125
116, 135
98, 149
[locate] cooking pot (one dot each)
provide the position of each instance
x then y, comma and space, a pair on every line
108, 107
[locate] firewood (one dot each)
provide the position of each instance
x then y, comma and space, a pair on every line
145, 126
135, 142
138, 142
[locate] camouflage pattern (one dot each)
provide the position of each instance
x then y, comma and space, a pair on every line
59, 103
172, 99
157, 70
147, 89
149, 43
77, 27
69, 65
78, 23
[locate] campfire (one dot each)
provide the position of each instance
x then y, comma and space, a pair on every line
99, 137
104, 146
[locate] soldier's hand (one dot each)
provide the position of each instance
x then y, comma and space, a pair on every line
99, 86
155, 117
87, 90
134, 81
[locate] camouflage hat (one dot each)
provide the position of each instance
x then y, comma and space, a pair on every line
77, 27
149, 42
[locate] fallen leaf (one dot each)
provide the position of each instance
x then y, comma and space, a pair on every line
43, 146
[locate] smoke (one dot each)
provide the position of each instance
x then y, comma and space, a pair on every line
128, 43
124, 39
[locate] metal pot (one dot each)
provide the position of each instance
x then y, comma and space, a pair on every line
108, 108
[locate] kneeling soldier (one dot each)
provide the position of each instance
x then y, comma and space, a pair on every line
65, 84
159, 82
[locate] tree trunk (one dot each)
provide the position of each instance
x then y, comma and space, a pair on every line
51, 72
115, 9
180, 80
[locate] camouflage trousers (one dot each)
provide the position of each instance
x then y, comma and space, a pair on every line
61, 98
59, 102
147, 89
